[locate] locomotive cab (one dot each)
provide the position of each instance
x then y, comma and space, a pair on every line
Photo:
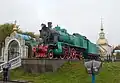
48, 34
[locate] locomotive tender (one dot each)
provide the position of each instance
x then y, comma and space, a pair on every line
57, 43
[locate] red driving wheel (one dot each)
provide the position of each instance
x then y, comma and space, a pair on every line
62, 57
73, 53
66, 53
50, 54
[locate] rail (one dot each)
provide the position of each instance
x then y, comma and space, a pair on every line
14, 63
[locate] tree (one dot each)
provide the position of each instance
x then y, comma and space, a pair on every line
29, 33
5, 30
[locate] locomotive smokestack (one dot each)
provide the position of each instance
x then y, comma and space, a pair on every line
43, 25
49, 24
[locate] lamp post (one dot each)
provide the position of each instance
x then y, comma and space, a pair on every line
92, 67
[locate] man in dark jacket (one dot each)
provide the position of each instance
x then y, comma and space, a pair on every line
6, 72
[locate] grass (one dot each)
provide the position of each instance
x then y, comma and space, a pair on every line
72, 73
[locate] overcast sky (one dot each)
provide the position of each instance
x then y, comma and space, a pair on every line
80, 16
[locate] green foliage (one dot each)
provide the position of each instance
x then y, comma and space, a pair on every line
5, 30
73, 72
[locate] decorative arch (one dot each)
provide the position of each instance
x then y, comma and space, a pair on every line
8, 56
23, 48
13, 40
13, 50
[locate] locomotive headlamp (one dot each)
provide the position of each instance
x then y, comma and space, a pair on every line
93, 67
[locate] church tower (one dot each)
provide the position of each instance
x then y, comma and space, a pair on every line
102, 40
105, 49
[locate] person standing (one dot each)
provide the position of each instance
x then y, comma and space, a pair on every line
6, 72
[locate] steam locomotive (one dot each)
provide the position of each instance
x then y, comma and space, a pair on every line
58, 43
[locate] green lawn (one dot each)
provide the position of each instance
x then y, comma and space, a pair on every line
72, 73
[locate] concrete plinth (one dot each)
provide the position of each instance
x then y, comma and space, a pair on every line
41, 65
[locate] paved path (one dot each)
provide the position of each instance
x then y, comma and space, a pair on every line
22, 81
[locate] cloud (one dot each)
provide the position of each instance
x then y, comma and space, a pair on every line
82, 16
